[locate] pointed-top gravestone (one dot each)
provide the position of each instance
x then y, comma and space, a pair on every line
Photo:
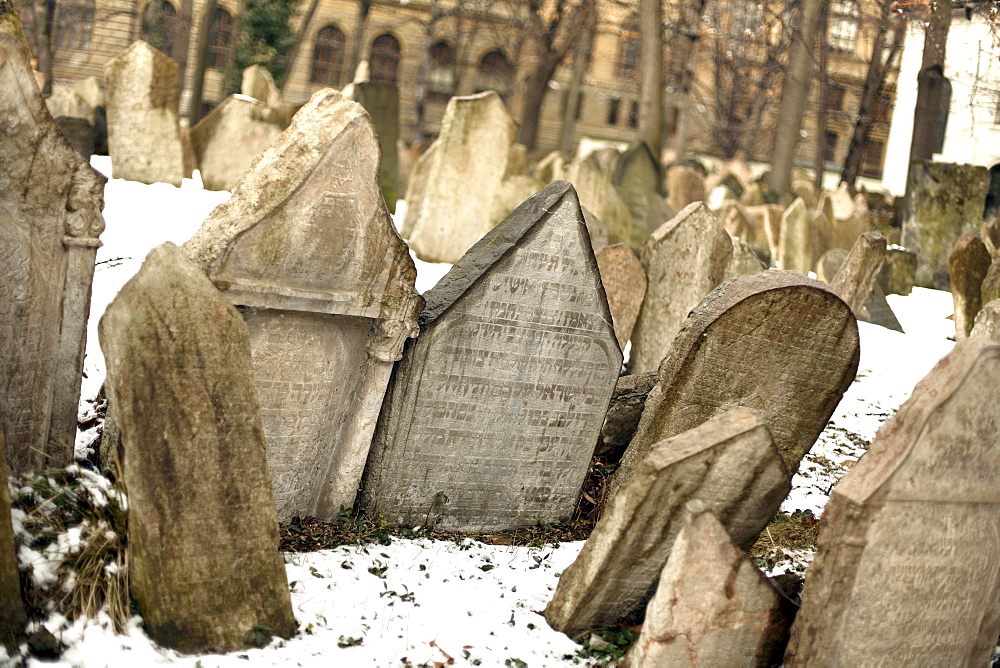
50, 219
12, 614
637, 178
258, 83
684, 260
856, 277
203, 535
492, 415
306, 243
777, 342
598, 195
795, 245
905, 571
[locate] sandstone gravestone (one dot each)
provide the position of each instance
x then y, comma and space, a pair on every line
898, 271
968, 266
598, 194
258, 83
744, 261
990, 288
229, 137
381, 101
306, 244
684, 260
713, 607
625, 284
624, 411
857, 275
12, 614
821, 234
492, 415
905, 571
730, 463
795, 239
459, 180
942, 202
684, 186
144, 134
988, 321
50, 220
830, 263
637, 178
203, 535
79, 133
777, 342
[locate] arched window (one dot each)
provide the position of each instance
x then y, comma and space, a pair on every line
494, 73
384, 58
628, 50
74, 23
328, 56
161, 27
441, 77
218, 41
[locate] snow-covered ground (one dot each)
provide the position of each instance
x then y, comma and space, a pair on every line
423, 602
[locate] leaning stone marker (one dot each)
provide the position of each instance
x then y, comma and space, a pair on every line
857, 275
203, 535
306, 244
729, 463
625, 283
624, 411
968, 265
905, 571
12, 614
713, 607
496, 407
684, 260
777, 342
50, 219
144, 135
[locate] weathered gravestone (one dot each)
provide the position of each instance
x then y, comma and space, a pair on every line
50, 219
795, 245
258, 83
381, 101
990, 289
856, 277
875, 308
744, 261
685, 186
598, 194
625, 284
988, 321
492, 416
730, 463
905, 571
624, 411
79, 133
144, 135
12, 614
637, 178
968, 266
306, 244
713, 607
942, 202
450, 196
777, 342
202, 531
898, 271
684, 260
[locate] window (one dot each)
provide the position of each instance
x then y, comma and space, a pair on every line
494, 74
871, 158
328, 56
73, 24
441, 77
830, 147
161, 27
628, 50
218, 41
384, 59
633, 115
843, 33
613, 105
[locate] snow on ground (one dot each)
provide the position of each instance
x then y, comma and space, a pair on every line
429, 602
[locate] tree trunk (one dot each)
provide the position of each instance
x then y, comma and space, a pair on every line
535, 87
45, 46
795, 91
581, 61
201, 61
183, 41
926, 115
651, 76
822, 55
687, 50
360, 21
300, 37
231, 86
420, 94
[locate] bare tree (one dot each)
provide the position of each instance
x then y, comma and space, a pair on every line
651, 75
683, 46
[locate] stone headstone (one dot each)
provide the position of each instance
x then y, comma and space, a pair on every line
258, 83
684, 260
877, 311
905, 571
744, 261
805, 190
625, 285
821, 235
416, 186
684, 186
460, 179
856, 277
144, 134
830, 263
712, 607
990, 289
848, 219
795, 245
753, 195
730, 463
942, 201
64, 101
739, 223
968, 266
898, 271
767, 225
50, 220
203, 536
79, 133
492, 415
598, 194
381, 101
606, 159
637, 178
777, 342
517, 161
513, 191
12, 614
598, 231
551, 168
307, 246
988, 321
228, 139
624, 411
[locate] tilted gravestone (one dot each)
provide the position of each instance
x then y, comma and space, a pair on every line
795, 245
777, 342
988, 321
905, 571
685, 186
307, 246
968, 265
684, 260
990, 289
898, 271
144, 135
637, 178
598, 194
12, 614
744, 261
381, 101
493, 413
730, 463
856, 277
50, 220
625, 284
203, 536
624, 411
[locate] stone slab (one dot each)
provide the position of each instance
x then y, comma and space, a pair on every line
625, 285
795, 243
624, 411
968, 266
857, 275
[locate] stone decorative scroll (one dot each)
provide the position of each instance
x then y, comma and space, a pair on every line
905, 571
777, 342
625, 283
307, 246
203, 534
50, 220
729, 463
12, 615
968, 266
492, 416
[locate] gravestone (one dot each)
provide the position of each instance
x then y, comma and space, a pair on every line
79, 133
551, 168
381, 101
625, 285
684, 260
416, 187
905, 571
637, 178
766, 220
857, 275
739, 223
229, 137
712, 607
849, 217
730, 463
990, 288
898, 271
968, 266
830, 263
744, 261
795, 243
684, 186
942, 201
459, 180
307, 246
202, 532
821, 235
598, 194
777, 342
988, 321
258, 83
514, 189
144, 135
50, 220
624, 411
492, 415
12, 614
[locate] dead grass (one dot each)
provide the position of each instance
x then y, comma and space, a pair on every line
785, 539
